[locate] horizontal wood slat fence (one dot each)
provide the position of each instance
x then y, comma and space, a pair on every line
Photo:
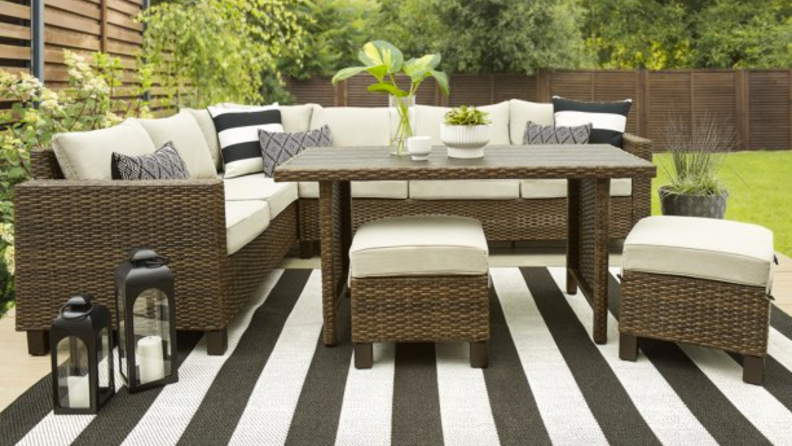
756, 104
81, 26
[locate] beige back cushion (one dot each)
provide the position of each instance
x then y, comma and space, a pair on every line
204, 120
429, 118
87, 155
354, 126
183, 130
520, 112
296, 118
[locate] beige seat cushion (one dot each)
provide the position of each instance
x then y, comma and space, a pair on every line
296, 118
428, 119
520, 112
719, 250
205, 122
620, 187
426, 245
187, 136
362, 189
257, 187
245, 220
354, 126
465, 189
87, 155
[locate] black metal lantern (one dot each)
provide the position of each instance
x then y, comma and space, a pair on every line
82, 361
146, 321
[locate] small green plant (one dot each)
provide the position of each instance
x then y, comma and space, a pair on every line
384, 61
468, 116
697, 155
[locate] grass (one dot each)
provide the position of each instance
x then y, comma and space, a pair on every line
760, 191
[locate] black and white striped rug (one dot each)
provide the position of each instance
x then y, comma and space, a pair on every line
547, 384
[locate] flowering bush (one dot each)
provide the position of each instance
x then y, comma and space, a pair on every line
88, 103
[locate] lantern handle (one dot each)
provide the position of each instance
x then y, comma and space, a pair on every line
80, 300
147, 258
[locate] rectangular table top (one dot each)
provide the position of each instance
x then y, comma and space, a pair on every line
499, 162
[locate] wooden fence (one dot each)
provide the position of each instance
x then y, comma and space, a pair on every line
756, 104
81, 26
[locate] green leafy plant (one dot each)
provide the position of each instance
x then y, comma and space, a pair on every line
697, 155
384, 61
38, 113
467, 116
210, 51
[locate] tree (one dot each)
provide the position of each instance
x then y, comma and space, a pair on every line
209, 51
475, 36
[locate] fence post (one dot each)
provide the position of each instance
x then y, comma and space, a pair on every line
643, 103
542, 86
743, 129
340, 93
37, 39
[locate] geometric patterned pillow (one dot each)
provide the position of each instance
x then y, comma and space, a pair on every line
538, 134
279, 147
164, 164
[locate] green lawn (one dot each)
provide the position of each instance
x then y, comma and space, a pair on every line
760, 191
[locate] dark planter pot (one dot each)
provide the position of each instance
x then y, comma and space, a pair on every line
712, 206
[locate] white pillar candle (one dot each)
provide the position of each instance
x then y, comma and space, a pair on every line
150, 358
79, 392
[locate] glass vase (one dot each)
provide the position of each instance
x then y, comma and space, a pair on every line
402, 122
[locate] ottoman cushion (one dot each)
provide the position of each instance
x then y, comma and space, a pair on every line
702, 248
423, 245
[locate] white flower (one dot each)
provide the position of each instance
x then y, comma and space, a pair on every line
8, 258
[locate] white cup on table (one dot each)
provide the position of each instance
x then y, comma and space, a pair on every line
419, 147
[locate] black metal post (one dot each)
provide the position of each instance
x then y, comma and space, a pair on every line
37, 39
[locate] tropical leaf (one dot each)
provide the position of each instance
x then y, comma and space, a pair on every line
380, 52
346, 73
378, 71
442, 81
386, 88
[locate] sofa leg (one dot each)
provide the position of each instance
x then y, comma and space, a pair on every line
306, 249
217, 342
628, 347
364, 355
753, 369
479, 355
38, 342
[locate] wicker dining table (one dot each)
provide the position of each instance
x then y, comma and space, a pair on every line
588, 169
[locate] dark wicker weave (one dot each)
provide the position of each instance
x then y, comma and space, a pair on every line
700, 312
72, 234
503, 220
421, 309
589, 170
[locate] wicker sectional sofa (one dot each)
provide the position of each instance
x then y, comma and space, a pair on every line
224, 235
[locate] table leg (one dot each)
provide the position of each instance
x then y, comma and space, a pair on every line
335, 227
587, 256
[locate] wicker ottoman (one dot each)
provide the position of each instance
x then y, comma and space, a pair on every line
420, 279
698, 281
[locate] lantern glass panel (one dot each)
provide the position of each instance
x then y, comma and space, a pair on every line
74, 386
153, 346
122, 353
105, 361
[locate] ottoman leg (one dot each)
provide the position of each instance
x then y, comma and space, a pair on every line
479, 355
628, 347
306, 249
364, 355
38, 342
753, 369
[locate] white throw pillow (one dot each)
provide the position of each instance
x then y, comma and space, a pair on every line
187, 137
237, 132
296, 118
87, 155
354, 126
204, 120
520, 112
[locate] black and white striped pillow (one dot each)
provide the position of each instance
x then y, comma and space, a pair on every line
237, 132
608, 119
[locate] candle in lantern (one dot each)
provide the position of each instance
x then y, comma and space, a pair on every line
150, 359
79, 392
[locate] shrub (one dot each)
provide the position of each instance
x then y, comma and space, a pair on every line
468, 116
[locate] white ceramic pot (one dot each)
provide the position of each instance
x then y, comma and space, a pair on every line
465, 141
419, 147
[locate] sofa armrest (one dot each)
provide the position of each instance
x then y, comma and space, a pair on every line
640, 147
641, 187
70, 235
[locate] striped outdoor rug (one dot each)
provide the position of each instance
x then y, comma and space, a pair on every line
547, 384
